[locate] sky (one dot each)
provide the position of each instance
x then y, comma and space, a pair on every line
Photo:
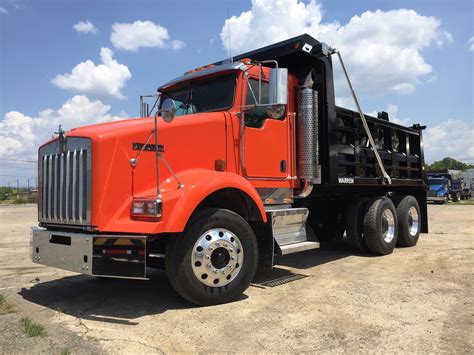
80, 62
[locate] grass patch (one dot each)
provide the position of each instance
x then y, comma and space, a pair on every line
66, 352
31, 328
466, 202
5, 307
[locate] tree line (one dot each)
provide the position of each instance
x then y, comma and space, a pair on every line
449, 163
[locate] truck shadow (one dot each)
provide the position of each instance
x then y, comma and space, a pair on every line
107, 300
123, 301
328, 252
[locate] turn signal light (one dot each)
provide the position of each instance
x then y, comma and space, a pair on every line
147, 208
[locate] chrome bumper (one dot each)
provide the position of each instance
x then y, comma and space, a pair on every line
435, 198
96, 255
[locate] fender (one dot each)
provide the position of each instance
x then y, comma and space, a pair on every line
198, 184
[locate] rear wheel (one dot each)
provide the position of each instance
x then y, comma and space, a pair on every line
380, 226
355, 224
409, 221
214, 260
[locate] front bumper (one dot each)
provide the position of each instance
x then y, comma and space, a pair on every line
122, 256
436, 198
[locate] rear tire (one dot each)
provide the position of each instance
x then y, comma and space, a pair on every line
380, 226
409, 222
214, 260
355, 214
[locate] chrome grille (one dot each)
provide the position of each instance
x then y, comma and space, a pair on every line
65, 182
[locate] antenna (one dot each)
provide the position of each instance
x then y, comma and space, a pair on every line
228, 35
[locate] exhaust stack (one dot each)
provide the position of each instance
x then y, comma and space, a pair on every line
309, 169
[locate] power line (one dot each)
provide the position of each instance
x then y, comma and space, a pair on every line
18, 176
20, 160
16, 167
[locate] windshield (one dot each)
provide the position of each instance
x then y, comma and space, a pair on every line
204, 95
436, 182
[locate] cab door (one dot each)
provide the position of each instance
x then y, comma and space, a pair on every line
266, 140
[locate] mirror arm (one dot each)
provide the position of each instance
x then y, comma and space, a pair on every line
157, 155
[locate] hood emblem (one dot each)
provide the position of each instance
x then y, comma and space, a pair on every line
62, 139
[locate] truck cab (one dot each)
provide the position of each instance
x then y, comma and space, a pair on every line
236, 162
439, 189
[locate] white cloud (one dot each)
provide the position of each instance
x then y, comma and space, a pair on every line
393, 116
102, 80
451, 138
382, 50
132, 36
3, 11
177, 44
21, 134
470, 43
85, 27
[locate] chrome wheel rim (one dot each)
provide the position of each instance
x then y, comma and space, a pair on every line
388, 226
413, 221
217, 257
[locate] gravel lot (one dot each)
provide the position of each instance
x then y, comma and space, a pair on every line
414, 300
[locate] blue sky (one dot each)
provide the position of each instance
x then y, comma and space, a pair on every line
434, 86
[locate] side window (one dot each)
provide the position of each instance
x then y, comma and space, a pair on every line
256, 116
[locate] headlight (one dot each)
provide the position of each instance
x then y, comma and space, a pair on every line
146, 207
440, 193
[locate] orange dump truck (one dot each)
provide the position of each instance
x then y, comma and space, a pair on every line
237, 162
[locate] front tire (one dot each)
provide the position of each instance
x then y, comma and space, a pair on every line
456, 197
380, 226
409, 222
214, 260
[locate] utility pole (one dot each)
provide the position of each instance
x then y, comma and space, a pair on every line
28, 185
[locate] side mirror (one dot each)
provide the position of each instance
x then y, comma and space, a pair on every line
278, 86
168, 110
278, 92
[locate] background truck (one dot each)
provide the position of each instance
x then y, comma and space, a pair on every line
236, 162
438, 189
445, 185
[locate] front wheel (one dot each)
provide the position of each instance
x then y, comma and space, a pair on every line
214, 260
456, 197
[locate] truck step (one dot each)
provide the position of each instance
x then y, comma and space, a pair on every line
288, 225
297, 247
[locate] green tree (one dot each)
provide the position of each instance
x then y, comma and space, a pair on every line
449, 163
5, 192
